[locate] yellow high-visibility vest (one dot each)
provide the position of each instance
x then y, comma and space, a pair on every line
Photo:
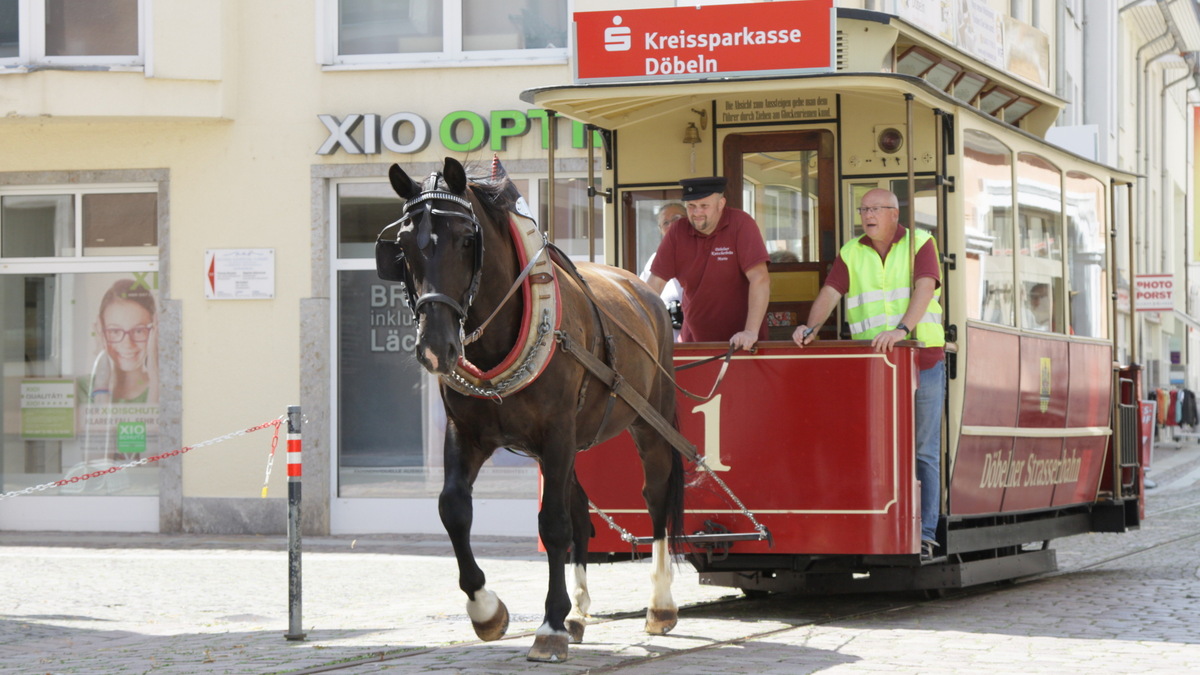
880, 290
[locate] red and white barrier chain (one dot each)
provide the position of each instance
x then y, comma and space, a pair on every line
146, 460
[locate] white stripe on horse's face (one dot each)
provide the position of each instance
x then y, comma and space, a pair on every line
431, 358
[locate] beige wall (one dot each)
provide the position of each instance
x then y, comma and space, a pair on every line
231, 112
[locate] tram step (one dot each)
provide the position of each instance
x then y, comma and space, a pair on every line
705, 538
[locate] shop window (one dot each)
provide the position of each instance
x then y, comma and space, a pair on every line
80, 381
50, 224
79, 312
416, 31
71, 32
389, 420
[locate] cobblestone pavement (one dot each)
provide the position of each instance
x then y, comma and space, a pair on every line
96, 603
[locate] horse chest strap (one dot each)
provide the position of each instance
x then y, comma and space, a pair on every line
541, 278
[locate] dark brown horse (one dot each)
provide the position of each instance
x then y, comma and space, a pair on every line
454, 247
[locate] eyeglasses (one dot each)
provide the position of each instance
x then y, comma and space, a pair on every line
137, 334
864, 210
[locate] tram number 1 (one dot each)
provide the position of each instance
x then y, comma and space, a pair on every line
712, 434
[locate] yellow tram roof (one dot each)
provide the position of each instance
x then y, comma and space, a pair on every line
865, 40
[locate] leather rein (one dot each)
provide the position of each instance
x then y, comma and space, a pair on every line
558, 257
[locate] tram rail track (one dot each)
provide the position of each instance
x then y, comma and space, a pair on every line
826, 610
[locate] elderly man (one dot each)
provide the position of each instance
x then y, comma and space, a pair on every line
719, 258
672, 294
889, 296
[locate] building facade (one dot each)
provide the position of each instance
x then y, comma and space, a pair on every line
188, 208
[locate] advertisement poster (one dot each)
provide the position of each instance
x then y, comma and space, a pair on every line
117, 343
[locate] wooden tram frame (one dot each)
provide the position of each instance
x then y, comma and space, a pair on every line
1068, 391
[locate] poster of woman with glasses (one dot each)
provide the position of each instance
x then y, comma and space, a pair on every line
125, 369
120, 397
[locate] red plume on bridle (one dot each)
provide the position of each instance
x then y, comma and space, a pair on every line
498, 172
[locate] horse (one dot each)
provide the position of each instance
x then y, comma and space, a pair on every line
546, 403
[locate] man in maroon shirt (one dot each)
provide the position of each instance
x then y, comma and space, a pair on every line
719, 258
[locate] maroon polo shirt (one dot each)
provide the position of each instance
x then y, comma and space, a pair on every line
712, 271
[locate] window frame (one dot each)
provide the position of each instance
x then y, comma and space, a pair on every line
31, 45
79, 261
452, 54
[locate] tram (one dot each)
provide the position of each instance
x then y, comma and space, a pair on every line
813, 447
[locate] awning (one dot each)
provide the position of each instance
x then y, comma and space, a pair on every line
1188, 319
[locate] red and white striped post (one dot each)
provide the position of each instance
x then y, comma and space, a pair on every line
294, 472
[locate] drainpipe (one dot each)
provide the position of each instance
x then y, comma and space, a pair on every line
1141, 166
1188, 236
1060, 50
1165, 190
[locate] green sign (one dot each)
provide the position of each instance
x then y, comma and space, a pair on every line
47, 409
131, 437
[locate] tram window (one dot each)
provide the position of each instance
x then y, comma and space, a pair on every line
986, 185
1087, 218
926, 218
640, 215
1039, 228
925, 203
779, 189
570, 224
1039, 305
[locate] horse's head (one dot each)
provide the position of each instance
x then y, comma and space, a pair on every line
440, 254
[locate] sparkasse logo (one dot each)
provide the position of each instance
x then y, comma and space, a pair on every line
617, 38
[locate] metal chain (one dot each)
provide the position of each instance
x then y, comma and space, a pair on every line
271, 456
142, 461
518, 376
758, 527
628, 537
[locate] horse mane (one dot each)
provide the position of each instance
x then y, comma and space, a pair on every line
497, 194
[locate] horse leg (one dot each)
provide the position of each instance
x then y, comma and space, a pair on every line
581, 531
663, 491
554, 527
488, 614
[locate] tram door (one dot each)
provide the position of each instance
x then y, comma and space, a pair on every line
788, 184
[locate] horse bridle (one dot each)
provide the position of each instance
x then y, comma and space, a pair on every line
424, 226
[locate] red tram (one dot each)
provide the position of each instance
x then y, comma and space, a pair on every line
815, 445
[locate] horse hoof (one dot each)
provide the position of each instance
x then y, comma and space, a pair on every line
548, 648
661, 621
575, 626
495, 627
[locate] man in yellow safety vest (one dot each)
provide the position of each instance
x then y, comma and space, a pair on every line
890, 294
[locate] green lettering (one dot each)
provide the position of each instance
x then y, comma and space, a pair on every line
578, 131
541, 114
479, 129
506, 124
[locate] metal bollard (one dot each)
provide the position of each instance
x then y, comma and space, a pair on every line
294, 472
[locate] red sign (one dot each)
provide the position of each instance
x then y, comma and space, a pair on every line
1154, 292
687, 42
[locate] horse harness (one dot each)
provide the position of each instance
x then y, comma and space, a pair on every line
535, 353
